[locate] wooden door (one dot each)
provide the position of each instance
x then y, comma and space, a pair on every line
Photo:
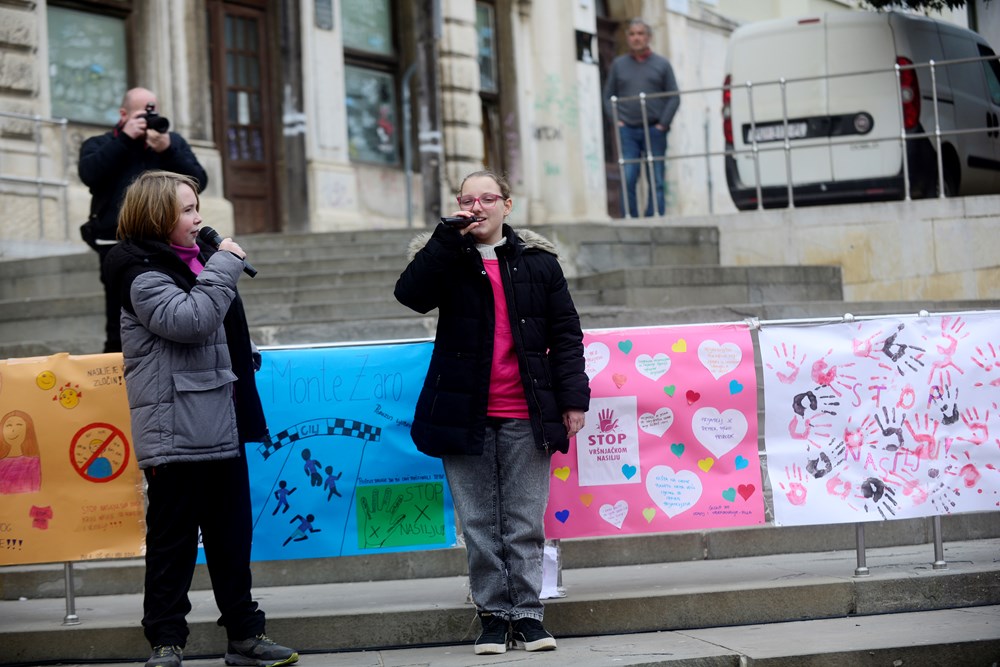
243, 117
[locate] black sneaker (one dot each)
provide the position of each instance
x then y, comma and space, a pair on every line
166, 656
529, 633
495, 635
259, 651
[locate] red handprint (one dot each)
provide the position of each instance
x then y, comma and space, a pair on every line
606, 421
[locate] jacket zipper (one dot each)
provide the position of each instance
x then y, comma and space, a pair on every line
518, 341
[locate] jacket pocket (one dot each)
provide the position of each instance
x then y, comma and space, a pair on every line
204, 417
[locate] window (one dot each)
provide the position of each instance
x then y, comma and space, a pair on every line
371, 64
489, 85
992, 73
87, 65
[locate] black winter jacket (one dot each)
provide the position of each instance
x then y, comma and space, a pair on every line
448, 274
111, 161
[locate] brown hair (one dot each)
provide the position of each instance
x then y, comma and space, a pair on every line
497, 178
151, 206
30, 445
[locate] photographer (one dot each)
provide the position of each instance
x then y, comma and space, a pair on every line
109, 163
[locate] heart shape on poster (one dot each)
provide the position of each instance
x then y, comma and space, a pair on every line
619, 379
629, 471
735, 387
706, 463
719, 431
562, 473
680, 346
677, 448
586, 499
614, 514
673, 492
595, 359
746, 490
719, 358
669, 390
649, 513
741, 462
729, 494
625, 346
652, 367
562, 515
692, 396
657, 424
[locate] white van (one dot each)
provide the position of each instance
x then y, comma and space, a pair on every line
844, 131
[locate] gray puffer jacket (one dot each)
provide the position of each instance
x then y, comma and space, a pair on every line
179, 370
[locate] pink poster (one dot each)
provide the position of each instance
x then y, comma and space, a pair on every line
670, 441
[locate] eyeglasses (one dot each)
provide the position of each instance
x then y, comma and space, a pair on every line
486, 201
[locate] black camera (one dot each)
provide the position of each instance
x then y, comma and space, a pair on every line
155, 121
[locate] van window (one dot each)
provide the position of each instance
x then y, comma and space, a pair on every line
992, 68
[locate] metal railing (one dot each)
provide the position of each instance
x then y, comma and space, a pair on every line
788, 145
39, 181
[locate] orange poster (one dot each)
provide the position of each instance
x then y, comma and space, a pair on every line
70, 488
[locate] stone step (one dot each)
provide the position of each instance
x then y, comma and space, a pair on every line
961, 636
704, 285
124, 577
656, 597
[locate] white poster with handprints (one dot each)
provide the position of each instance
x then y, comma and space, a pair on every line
607, 448
883, 419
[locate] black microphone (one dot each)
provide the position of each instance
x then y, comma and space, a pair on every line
212, 238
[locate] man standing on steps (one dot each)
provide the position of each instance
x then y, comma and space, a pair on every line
109, 163
642, 71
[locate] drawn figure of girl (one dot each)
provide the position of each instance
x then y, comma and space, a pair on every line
20, 462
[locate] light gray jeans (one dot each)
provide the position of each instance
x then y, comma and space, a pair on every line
500, 498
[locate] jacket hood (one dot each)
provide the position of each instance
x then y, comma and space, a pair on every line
528, 238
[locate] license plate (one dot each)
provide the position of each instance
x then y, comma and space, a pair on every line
776, 132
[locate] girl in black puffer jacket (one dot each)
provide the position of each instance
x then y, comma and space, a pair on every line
505, 388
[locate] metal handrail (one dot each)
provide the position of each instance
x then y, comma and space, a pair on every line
39, 181
788, 146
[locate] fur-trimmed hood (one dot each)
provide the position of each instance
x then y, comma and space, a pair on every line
529, 238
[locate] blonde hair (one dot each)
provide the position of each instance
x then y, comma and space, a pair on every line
489, 173
151, 207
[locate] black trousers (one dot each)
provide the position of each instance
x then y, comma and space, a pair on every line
112, 306
215, 496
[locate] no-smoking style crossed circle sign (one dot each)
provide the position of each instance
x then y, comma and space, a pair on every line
99, 452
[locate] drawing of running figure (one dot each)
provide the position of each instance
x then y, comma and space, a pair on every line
331, 483
282, 495
312, 468
303, 529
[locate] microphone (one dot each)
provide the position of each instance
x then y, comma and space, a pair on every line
212, 238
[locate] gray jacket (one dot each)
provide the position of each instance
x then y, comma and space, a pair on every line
178, 370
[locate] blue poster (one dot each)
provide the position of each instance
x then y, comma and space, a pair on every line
340, 475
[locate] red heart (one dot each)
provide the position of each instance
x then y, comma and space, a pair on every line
746, 490
692, 396
619, 379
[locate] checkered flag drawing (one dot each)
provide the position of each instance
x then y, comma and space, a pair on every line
338, 426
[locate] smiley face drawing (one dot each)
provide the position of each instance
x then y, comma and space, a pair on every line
69, 396
46, 380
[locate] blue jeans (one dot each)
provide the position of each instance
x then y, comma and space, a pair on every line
633, 148
500, 498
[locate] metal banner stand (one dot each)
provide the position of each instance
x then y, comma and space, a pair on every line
71, 618
862, 569
939, 562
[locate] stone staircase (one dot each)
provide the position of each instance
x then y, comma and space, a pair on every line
337, 287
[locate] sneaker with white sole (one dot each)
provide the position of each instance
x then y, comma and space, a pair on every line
495, 635
532, 635
259, 651
166, 656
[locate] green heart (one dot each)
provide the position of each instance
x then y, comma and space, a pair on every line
669, 390
625, 346
729, 494
677, 448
